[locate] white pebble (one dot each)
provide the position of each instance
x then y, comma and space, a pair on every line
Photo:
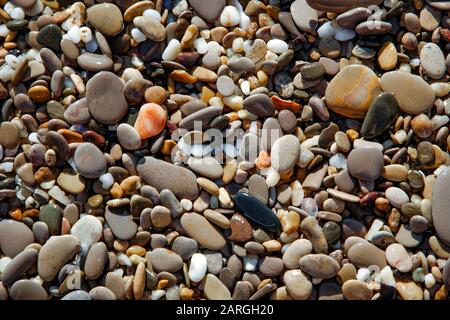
363, 274
7, 166
157, 294
152, 14
343, 34
17, 13
230, 16
107, 180
4, 31
88, 230
326, 30
123, 260
277, 46
200, 45
197, 268
172, 50
387, 277
310, 206
47, 11
272, 178
429, 280
214, 48
9, 7
338, 161
245, 87
238, 45
11, 60
250, 262
74, 34
47, 185
86, 34
186, 204
137, 35
56, 193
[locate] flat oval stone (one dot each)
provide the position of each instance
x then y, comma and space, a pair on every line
14, 237
340, 5
352, 90
203, 117
89, 160
198, 228
365, 163
28, 290
440, 205
257, 212
387, 56
365, 254
270, 132
206, 166
271, 266
356, 290
57, 251
128, 137
295, 251
105, 98
351, 18
285, 153
106, 18
412, 93
432, 60
368, 28
165, 260
382, 113
164, 175
9, 135
17, 266
94, 62
260, 105
51, 215
240, 65
305, 17
319, 265
121, 223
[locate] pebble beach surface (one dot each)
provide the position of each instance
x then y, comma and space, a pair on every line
224, 149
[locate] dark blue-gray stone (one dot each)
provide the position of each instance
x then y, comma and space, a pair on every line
381, 115
257, 212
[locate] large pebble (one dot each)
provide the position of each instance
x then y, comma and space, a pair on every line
257, 212
284, 153
105, 98
341, 5
352, 90
432, 60
106, 18
164, 175
398, 257
198, 228
14, 237
165, 260
89, 160
381, 115
57, 251
365, 163
28, 290
441, 205
198, 267
305, 17
121, 223
297, 284
412, 93
319, 265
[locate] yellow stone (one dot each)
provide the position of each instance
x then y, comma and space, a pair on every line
387, 56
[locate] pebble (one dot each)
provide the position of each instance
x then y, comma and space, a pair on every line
319, 266
257, 212
260, 105
89, 160
305, 17
440, 202
163, 175
214, 289
365, 163
17, 266
295, 251
432, 60
105, 97
396, 196
365, 254
27, 290
57, 251
14, 237
106, 18
284, 153
354, 98
356, 290
297, 284
152, 28
95, 260
197, 227
88, 230
121, 224
165, 260
414, 88
398, 257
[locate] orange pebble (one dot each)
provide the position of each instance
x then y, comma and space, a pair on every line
32, 213
281, 104
16, 214
150, 121
263, 160
70, 136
